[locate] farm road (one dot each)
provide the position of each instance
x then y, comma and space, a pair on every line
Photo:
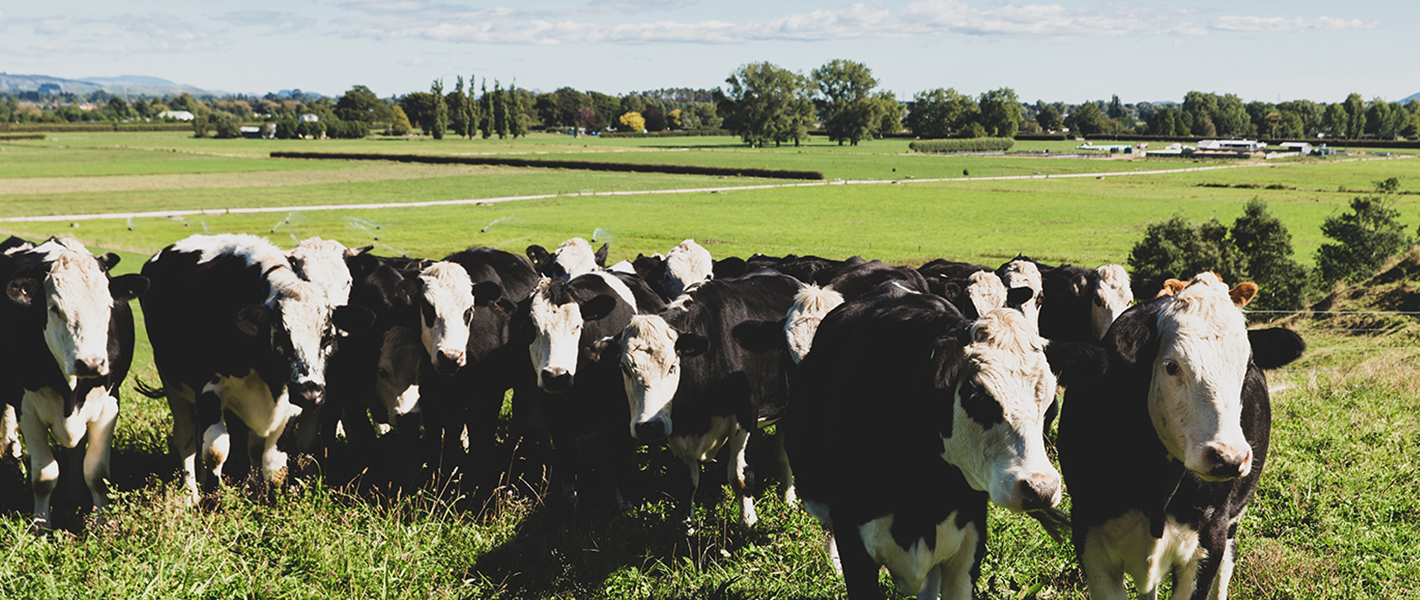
278, 209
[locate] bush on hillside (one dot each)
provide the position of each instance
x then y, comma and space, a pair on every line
984, 144
1365, 237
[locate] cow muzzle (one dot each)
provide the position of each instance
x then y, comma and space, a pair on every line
1039, 491
91, 366
1223, 462
448, 362
308, 393
653, 429
555, 380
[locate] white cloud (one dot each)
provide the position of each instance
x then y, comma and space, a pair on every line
1288, 25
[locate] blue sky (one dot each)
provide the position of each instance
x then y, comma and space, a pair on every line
1071, 50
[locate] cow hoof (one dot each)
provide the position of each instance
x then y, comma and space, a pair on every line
39, 527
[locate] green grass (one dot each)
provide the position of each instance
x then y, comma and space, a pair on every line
1336, 516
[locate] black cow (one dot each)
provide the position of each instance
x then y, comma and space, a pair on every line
68, 335
240, 327
833, 285
906, 418
466, 304
581, 397
1163, 453
708, 370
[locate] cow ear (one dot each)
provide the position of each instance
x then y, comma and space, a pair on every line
353, 318
109, 260
760, 336
605, 349
1243, 293
128, 287
1135, 332
1076, 362
361, 265
598, 307
1145, 290
23, 291
486, 293
353, 252
947, 357
691, 344
409, 289
254, 318
1275, 347
1172, 287
1017, 296
539, 257
600, 256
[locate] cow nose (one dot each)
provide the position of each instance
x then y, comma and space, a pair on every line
651, 430
1227, 462
91, 366
448, 361
556, 379
308, 392
1038, 491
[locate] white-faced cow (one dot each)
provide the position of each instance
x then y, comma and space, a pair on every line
571, 258
237, 327
906, 418
707, 371
1163, 452
687, 264
68, 335
466, 304
581, 396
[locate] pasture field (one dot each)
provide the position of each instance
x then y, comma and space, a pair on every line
1337, 515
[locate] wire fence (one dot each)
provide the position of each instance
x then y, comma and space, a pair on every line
1370, 332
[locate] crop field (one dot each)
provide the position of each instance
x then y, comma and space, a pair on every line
1337, 515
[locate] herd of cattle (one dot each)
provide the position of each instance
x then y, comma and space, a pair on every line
905, 398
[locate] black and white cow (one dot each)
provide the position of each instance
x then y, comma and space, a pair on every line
834, 285
581, 396
709, 370
239, 326
68, 335
1162, 454
571, 258
10, 447
906, 418
466, 305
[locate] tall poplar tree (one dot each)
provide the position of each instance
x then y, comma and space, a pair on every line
441, 110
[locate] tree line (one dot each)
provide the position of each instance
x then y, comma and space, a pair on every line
760, 102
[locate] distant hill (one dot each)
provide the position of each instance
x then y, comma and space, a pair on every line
1410, 98
130, 85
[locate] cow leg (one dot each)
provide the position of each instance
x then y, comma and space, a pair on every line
216, 443
1226, 561
96, 456
739, 476
860, 571
955, 575
786, 472
10, 448
1103, 576
566, 460
932, 588
184, 441
44, 470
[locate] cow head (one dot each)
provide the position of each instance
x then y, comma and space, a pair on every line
1195, 394
557, 322
397, 377
324, 263
1001, 384
651, 354
77, 297
1023, 284
687, 264
811, 305
1112, 296
986, 292
572, 258
302, 324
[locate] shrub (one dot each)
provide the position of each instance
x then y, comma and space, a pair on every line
1179, 248
984, 144
228, 125
1366, 237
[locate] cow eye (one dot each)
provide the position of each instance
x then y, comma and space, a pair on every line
1171, 368
383, 373
1099, 302
54, 308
